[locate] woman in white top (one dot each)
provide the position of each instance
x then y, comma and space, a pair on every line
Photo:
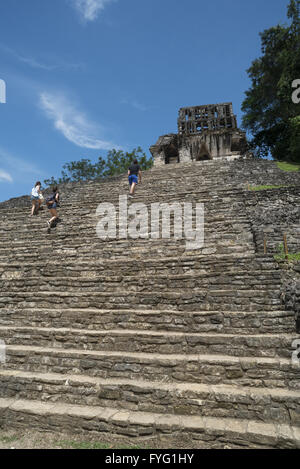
36, 198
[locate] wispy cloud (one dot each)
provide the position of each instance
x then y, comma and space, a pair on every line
73, 124
33, 62
38, 64
90, 9
4, 176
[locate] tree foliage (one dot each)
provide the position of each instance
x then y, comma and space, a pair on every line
117, 162
269, 112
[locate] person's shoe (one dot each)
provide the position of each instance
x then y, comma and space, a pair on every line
48, 227
131, 196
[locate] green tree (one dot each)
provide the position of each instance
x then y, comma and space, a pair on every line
116, 163
269, 112
294, 147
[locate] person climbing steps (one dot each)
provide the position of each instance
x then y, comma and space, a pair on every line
36, 198
134, 177
52, 203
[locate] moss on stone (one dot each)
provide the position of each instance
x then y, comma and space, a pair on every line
264, 188
288, 167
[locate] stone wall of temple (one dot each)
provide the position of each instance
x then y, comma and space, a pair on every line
204, 133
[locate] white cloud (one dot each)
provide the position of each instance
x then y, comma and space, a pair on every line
34, 63
4, 176
73, 124
90, 9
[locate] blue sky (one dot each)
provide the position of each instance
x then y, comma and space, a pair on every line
84, 76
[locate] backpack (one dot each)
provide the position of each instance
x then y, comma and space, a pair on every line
50, 200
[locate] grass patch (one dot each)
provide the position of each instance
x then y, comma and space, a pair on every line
282, 257
264, 188
288, 167
9, 439
69, 444
290, 257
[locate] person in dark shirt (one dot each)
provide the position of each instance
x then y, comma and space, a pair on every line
134, 177
52, 204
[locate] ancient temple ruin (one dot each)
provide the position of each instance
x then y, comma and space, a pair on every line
204, 133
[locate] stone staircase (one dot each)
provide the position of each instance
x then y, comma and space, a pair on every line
142, 338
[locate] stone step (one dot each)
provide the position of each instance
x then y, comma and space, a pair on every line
163, 342
260, 372
144, 240
214, 204
210, 195
207, 190
134, 286
77, 213
188, 262
247, 262
220, 401
221, 246
209, 267
152, 252
209, 431
114, 251
225, 165
229, 221
200, 300
215, 208
29, 230
237, 230
228, 322
132, 283
71, 227
67, 255
148, 192
13, 277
